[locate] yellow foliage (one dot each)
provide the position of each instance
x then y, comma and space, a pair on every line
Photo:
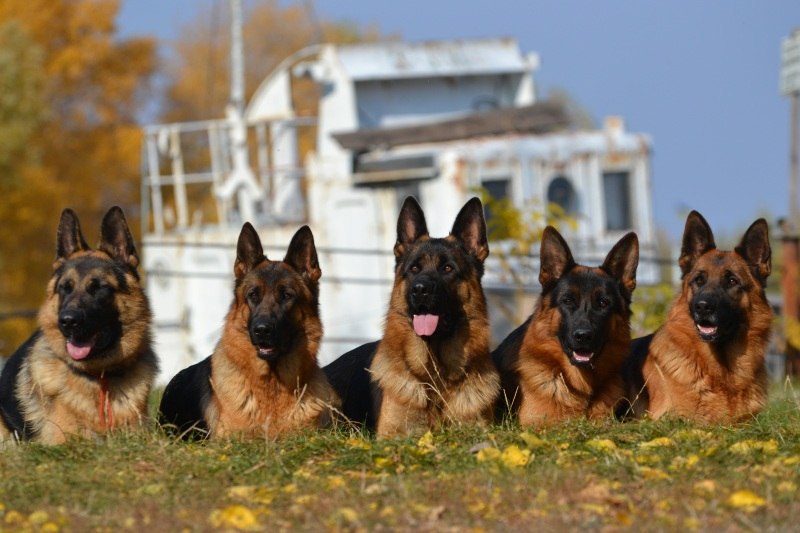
659, 442
532, 441
511, 457
746, 501
749, 446
82, 150
652, 473
358, 443
707, 487
234, 516
602, 445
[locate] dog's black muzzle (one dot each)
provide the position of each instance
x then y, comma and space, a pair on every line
263, 335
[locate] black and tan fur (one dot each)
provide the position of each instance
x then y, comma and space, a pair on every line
421, 376
90, 365
707, 362
566, 360
263, 379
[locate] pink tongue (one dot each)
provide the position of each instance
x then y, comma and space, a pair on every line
707, 330
79, 351
425, 325
582, 356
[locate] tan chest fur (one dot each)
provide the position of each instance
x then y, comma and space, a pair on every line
255, 400
61, 402
701, 383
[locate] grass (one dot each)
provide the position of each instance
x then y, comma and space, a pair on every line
644, 475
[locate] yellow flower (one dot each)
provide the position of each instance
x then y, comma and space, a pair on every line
652, 473
511, 457
488, 454
532, 441
595, 508
334, 482
707, 487
382, 462
14, 517
305, 499
347, 514
37, 517
746, 500
426, 441
357, 443
692, 434
514, 457
234, 516
251, 493
602, 445
660, 442
749, 446
685, 463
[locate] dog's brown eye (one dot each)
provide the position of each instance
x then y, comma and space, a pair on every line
415, 269
603, 303
286, 295
67, 287
699, 280
93, 286
253, 296
731, 281
448, 268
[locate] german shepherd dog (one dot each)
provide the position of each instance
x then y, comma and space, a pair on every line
89, 367
262, 379
707, 361
566, 360
432, 365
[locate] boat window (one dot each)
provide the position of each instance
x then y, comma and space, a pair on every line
561, 193
616, 193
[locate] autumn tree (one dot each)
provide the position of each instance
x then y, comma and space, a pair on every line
70, 91
199, 70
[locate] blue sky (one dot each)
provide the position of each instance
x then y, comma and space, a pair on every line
701, 77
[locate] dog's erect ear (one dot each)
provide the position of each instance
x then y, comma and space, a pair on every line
755, 249
302, 255
470, 229
622, 261
116, 239
411, 226
69, 237
249, 252
697, 240
556, 258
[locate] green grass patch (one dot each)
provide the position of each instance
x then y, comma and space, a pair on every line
645, 475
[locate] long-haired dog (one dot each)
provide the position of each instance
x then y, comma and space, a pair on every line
566, 360
263, 379
90, 366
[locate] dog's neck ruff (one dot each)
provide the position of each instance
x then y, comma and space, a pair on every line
104, 409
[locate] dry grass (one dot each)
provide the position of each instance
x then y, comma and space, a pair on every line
642, 475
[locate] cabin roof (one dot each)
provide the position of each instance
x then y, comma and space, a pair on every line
543, 117
396, 60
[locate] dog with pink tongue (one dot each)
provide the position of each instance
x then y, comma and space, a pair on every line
433, 365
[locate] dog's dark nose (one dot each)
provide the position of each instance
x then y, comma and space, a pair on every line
262, 331
70, 320
420, 289
582, 335
704, 307
423, 293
